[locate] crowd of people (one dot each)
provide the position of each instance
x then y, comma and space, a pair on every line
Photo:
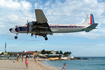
26, 61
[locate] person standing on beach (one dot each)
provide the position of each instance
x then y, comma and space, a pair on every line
17, 58
26, 62
64, 66
22, 58
35, 58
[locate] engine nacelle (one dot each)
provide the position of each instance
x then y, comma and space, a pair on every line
34, 23
31, 24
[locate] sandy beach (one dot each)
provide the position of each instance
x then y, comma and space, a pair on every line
19, 65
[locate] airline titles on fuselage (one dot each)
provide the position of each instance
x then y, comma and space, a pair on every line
24, 28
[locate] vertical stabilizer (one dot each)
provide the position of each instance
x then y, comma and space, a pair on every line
89, 20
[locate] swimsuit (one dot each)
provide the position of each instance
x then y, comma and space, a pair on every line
64, 68
26, 62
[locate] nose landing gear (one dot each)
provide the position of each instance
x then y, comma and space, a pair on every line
16, 37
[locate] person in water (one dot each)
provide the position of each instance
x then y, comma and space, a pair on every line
64, 66
26, 62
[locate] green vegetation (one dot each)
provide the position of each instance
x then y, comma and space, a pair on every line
45, 52
67, 53
59, 52
9, 53
12, 54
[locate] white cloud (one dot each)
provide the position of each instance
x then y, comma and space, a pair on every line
14, 13
48, 3
9, 4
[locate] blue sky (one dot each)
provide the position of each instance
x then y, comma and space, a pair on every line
16, 12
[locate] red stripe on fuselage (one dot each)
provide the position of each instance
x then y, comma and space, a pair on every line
17, 29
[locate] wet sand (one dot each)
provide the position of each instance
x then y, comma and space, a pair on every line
19, 65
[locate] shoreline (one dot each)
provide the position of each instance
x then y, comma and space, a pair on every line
48, 64
19, 65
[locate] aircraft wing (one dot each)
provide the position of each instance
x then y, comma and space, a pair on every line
41, 24
40, 17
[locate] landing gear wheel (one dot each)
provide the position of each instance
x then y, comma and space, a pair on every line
15, 37
31, 34
44, 35
46, 38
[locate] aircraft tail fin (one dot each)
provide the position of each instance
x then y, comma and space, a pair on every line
89, 20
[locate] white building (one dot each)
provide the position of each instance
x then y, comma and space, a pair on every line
0, 52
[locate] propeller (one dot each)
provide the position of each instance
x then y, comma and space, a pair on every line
27, 27
16, 26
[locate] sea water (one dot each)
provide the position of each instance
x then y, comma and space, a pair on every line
93, 63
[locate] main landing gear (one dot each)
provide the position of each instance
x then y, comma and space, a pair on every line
45, 36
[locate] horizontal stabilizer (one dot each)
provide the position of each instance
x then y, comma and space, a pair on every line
91, 27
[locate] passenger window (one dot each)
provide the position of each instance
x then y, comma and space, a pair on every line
20, 28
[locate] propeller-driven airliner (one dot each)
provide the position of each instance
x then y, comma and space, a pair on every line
41, 27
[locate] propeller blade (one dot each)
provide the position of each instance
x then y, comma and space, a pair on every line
27, 28
31, 34
27, 21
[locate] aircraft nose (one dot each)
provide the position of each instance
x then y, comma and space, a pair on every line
10, 29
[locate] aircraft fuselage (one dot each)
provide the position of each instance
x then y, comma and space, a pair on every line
54, 28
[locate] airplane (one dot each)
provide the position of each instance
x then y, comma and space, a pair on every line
41, 27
